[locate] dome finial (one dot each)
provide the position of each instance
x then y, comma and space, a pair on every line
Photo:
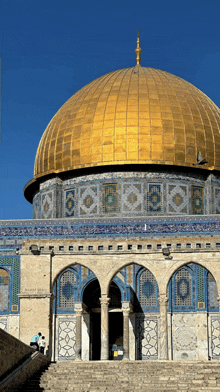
138, 50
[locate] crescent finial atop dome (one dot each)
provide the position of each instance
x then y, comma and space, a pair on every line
138, 50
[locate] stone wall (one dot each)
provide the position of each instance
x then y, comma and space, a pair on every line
12, 352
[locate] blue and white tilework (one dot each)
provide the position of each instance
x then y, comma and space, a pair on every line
120, 193
88, 201
47, 205
154, 198
177, 199
132, 198
69, 203
217, 200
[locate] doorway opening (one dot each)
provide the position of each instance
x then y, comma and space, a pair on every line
116, 335
91, 296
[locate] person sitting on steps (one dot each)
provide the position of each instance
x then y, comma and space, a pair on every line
34, 341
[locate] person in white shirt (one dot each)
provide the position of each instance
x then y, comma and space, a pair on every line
42, 345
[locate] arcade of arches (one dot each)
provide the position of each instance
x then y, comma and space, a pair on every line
134, 320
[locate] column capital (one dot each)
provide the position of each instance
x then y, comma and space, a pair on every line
126, 307
163, 300
79, 307
104, 301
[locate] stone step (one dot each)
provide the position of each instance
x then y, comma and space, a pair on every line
128, 376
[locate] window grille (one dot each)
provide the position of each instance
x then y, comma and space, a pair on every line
183, 288
4, 290
148, 289
67, 284
212, 293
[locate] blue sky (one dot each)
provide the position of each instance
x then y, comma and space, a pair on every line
50, 49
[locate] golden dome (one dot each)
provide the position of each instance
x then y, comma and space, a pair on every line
134, 115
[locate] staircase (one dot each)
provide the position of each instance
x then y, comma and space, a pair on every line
128, 376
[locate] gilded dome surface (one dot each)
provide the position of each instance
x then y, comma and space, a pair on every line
134, 115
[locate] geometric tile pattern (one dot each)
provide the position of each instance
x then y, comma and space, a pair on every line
47, 205
129, 274
197, 200
200, 283
146, 332
215, 331
69, 203
132, 197
216, 200
212, 293
3, 324
154, 198
110, 198
177, 199
66, 339
88, 200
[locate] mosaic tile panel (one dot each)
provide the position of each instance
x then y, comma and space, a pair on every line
110, 198
47, 205
146, 331
66, 339
215, 331
177, 199
132, 198
3, 324
69, 203
197, 201
129, 274
13, 266
200, 283
216, 200
154, 198
37, 207
88, 201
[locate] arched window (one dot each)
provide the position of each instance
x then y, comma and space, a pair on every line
183, 288
4, 290
66, 289
147, 289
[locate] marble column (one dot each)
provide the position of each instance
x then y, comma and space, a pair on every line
126, 310
104, 300
78, 344
163, 337
218, 299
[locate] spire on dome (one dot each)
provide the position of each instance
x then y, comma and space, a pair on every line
138, 50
